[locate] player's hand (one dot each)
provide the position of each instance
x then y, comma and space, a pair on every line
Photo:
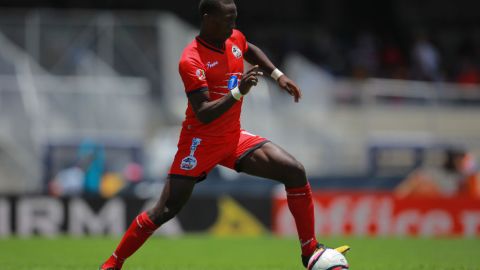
288, 85
249, 79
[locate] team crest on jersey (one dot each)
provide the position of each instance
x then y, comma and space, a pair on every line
190, 162
236, 51
201, 74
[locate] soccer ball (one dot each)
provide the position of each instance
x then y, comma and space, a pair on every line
327, 259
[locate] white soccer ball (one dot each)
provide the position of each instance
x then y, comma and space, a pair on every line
327, 259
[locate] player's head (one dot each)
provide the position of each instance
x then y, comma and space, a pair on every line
218, 17
454, 158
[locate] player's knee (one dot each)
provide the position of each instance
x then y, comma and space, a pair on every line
296, 175
161, 218
173, 209
161, 215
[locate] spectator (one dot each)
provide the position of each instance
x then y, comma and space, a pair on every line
68, 182
393, 61
469, 73
91, 158
456, 176
426, 59
364, 56
84, 176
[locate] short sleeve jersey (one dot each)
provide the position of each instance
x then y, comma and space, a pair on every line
204, 67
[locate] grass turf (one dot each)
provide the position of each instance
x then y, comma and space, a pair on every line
197, 252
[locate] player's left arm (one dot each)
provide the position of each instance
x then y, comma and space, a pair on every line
256, 56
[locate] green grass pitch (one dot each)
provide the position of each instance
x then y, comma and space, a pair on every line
201, 252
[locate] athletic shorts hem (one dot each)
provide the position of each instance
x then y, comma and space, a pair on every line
194, 178
248, 152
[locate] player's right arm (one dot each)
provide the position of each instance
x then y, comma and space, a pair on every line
207, 110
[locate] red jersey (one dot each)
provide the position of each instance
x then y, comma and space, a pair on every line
204, 67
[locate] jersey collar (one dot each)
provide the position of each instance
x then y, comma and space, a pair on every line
209, 46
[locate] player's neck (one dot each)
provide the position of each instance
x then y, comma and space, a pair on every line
220, 44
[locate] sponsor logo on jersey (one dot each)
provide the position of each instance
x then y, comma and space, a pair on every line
201, 74
236, 51
211, 64
190, 162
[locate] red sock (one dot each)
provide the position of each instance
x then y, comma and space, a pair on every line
138, 232
300, 203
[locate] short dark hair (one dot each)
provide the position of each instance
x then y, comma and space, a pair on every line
210, 6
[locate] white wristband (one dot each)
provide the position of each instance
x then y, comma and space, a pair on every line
236, 93
276, 74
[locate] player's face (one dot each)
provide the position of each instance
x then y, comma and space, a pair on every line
224, 20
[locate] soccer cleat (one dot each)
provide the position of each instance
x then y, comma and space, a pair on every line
305, 259
342, 249
105, 266
111, 264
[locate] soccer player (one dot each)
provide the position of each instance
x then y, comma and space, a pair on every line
212, 70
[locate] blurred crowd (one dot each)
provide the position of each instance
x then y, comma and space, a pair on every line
458, 175
90, 173
421, 56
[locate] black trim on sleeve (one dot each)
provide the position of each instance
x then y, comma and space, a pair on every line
201, 89
248, 152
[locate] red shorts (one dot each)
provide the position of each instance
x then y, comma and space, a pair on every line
197, 155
